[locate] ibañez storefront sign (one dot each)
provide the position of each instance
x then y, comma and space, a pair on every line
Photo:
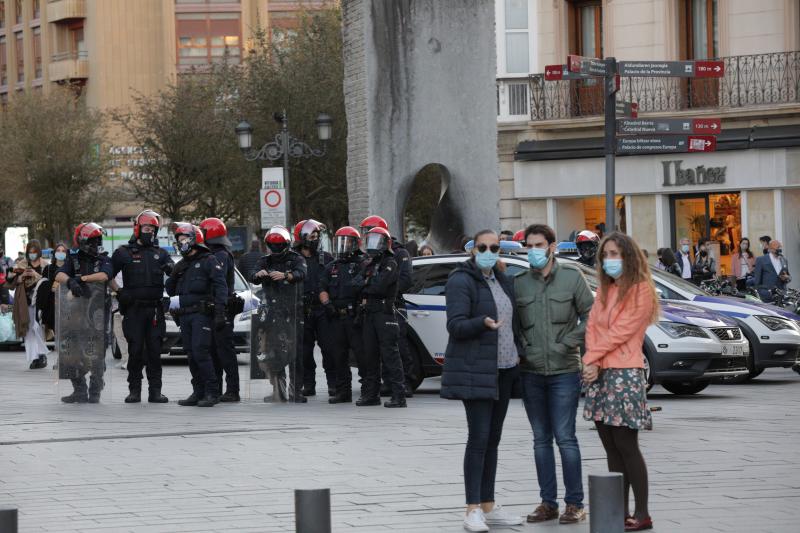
675, 176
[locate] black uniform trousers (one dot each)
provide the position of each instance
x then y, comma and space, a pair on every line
346, 336
405, 350
144, 327
381, 349
196, 338
223, 353
316, 329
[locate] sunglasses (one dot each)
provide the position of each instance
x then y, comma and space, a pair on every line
483, 247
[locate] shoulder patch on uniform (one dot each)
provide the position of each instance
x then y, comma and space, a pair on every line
218, 267
405, 258
197, 265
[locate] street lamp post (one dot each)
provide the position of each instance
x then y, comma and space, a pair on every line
285, 145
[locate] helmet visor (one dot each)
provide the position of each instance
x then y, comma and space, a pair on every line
376, 241
345, 245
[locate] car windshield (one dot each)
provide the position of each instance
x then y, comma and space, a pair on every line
680, 283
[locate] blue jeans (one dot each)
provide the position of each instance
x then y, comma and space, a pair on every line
551, 403
485, 424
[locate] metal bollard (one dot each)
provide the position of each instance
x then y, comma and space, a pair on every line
312, 511
8, 520
607, 506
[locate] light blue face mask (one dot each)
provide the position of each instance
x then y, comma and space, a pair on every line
61, 256
538, 257
486, 260
33, 256
613, 267
685, 248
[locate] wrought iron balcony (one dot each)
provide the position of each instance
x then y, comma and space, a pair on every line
752, 80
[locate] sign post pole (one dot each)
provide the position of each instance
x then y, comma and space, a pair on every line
610, 94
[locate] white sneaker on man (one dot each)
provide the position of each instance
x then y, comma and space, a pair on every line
474, 521
500, 517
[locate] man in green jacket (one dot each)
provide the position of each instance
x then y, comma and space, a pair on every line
553, 304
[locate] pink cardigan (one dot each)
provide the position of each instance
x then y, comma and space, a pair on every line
736, 265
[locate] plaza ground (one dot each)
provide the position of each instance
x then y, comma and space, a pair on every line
724, 460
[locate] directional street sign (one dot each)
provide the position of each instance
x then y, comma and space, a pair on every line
561, 72
666, 143
586, 65
680, 69
669, 125
627, 109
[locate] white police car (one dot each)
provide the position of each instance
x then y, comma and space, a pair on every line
684, 351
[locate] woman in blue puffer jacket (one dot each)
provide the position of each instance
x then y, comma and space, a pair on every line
480, 366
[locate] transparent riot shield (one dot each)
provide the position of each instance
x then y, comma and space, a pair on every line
276, 347
83, 328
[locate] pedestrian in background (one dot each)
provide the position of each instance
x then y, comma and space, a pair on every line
771, 271
506, 235
705, 267
425, 250
669, 262
743, 263
765, 240
684, 258
481, 365
553, 304
46, 293
24, 278
625, 306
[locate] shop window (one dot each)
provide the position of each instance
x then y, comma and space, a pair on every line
585, 38
717, 217
594, 214
3, 62
699, 39
20, 52
37, 53
205, 38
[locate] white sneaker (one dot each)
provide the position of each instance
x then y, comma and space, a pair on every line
474, 521
500, 517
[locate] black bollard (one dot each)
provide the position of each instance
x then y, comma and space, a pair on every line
8, 520
312, 511
606, 504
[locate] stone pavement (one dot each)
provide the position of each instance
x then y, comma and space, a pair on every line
724, 460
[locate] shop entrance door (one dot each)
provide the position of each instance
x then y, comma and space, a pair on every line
717, 217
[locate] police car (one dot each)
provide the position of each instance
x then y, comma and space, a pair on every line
683, 352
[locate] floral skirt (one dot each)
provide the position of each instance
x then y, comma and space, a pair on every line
619, 398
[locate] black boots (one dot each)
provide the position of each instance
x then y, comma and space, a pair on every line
366, 401
40, 362
230, 397
209, 400
155, 396
135, 396
76, 397
190, 401
396, 401
344, 397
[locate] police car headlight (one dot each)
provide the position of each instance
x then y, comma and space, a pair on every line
245, 316
775, 323
677, 330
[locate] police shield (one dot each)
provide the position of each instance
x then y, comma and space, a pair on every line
82, 333
275, 341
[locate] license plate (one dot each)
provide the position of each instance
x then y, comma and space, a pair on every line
732, 350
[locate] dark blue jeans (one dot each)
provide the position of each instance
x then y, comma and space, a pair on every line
485, 423
552, 404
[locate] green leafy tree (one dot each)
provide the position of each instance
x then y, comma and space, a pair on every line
51, 158
301, 72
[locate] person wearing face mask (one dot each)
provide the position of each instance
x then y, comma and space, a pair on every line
24, 278
616, 399
379, 322
764, 240
553, 304
480, 366
316, 326
743, 263
705, 267
46, 293
683, 257
771, 271
143, 265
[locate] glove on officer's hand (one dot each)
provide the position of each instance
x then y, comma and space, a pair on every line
330, 310
219, 320
75, 287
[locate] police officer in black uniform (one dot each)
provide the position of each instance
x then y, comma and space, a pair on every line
198, 294
316, 327
143, 265
223, 350
340, 288
86, 264
380, 322
404, 282
281, 270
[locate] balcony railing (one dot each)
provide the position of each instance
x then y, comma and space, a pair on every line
752, 80
63, 56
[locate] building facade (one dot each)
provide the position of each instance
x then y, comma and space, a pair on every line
550, 132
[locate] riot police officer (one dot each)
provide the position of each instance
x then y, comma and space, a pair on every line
143, 265
380, 322
197, 301
404, 282
340, 288
223, 350
315, 322
586, 242
86, 264
281, 274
